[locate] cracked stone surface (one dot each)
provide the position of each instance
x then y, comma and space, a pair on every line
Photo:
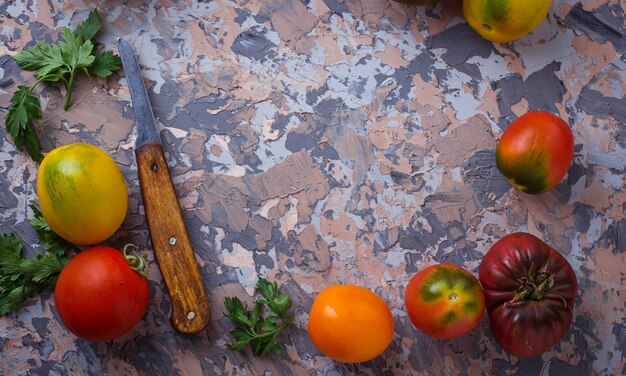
319, 142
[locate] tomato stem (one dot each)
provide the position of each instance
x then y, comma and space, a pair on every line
136, 261
534, 287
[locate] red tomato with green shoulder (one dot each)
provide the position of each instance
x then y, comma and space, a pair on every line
100, 293
444, 301
535, 152
530, 291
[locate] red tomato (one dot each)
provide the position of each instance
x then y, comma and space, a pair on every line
535, 152
529, 291
350, 323
444, 301
99, 296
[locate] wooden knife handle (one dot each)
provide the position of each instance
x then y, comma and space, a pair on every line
170, 242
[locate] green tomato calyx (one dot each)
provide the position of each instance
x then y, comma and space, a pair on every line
534, 287
136, 261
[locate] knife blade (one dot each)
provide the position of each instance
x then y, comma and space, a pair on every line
168, 233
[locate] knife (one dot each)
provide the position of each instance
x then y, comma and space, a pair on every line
168, 233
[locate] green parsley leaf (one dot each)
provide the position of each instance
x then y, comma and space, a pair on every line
42, 55
104, 64
88, 29
242, 338
256, 315
33, 147
50, 241
74, 52
280, 304
11, 245
256, 328
20, 277
267, 289
24, 108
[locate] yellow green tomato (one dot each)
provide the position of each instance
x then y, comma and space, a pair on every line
82, 193
504, 20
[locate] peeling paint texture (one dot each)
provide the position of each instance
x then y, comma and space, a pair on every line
318, 142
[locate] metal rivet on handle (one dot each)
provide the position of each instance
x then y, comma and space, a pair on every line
173, 240
154, 168
191, 315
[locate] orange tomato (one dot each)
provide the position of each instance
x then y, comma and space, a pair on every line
82, 193
350, 323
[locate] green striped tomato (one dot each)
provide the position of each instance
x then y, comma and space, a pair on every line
444, 301
535, 152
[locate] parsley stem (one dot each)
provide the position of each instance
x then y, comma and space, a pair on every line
68, 86
275, 331
55, 77
32, 87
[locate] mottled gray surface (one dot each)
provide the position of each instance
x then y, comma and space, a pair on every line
324, 142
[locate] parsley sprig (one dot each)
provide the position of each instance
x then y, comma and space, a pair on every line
75, 52
22, 277
258, 328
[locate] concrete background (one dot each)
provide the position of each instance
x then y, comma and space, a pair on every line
318, 142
